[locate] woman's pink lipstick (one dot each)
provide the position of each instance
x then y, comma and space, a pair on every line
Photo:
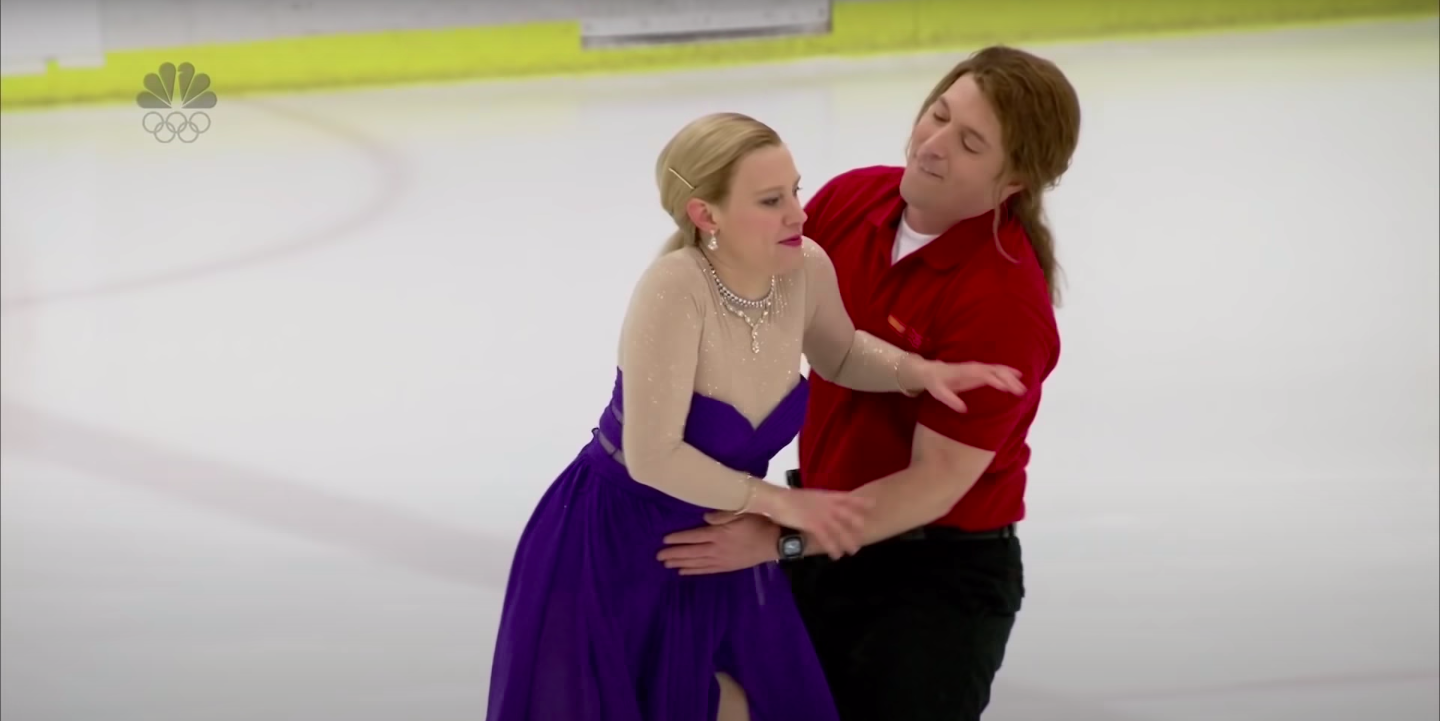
793, 242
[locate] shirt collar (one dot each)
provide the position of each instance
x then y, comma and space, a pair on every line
953, 246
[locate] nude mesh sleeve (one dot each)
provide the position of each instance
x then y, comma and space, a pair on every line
659, 354
835, 349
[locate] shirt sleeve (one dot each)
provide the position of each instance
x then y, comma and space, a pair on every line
836, 350
1003, 331
659, 354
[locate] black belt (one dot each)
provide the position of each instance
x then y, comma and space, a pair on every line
950, 533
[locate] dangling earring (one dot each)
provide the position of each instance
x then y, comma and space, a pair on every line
712, 244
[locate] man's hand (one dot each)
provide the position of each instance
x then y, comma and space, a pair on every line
941, 472
729, 543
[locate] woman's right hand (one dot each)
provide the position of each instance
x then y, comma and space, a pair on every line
833, 520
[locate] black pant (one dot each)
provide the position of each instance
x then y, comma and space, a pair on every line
912, 629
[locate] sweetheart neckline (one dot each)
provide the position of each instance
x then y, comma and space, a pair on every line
755, 428
802, 383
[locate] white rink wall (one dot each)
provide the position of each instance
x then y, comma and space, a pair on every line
77, 33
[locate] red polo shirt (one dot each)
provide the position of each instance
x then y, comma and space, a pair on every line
955, 299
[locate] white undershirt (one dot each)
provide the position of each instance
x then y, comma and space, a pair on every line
908, 241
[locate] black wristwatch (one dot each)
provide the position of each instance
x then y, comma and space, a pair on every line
791, 545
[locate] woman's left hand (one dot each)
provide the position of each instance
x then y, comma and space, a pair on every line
946, 381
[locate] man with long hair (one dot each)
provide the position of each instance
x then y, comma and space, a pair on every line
949, 257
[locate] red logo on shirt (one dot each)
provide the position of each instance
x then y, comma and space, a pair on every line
910, 335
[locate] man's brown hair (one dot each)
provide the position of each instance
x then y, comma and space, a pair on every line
1039, 114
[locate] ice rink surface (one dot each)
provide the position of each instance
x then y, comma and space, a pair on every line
277, 403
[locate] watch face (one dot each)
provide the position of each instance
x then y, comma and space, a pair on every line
792, 546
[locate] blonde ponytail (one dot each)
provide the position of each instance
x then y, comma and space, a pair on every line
676, 241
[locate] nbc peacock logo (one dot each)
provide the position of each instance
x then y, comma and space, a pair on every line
183, 92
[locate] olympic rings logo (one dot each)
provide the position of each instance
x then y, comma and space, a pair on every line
176, 125
176, 86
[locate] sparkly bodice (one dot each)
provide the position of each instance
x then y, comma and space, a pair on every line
706, 396
716, 429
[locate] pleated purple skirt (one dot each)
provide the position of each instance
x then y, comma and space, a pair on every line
594, 628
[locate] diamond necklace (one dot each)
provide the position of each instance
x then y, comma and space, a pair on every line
733, 303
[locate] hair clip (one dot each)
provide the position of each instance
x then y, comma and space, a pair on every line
681, 177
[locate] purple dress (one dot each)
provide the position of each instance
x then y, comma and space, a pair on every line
594, 628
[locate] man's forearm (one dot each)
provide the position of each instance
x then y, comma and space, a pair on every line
906, 500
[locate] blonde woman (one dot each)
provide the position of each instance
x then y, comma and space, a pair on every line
708, 389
